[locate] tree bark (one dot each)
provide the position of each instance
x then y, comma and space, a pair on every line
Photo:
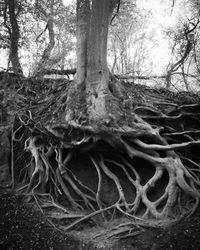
82, 30
93, 19
47, 52
45, 61
14, 37
97, 69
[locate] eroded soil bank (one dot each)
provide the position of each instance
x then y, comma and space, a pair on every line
24, 227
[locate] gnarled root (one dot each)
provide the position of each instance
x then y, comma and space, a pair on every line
138, 175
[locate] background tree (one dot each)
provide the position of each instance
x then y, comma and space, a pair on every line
59, 25
11, 11
184, 41
46, 10
128, 40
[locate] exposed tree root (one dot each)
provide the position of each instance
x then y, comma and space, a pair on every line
135, 172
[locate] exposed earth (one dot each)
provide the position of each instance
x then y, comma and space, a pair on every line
24, 226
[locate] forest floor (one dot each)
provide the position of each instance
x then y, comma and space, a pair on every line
24, 226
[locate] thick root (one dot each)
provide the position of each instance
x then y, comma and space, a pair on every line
134, 173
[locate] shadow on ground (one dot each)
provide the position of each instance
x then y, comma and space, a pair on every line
24, 227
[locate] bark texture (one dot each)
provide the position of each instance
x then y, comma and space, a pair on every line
14, 36
93, 19
43, 62
97, 69
83, 18
48, 17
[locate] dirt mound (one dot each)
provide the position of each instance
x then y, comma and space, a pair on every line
108, 176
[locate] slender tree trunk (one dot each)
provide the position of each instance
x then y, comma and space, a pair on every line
63, 51
14, 38
43, 62
184, 77
115, 58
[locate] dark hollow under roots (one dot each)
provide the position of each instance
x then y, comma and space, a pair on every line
87, 174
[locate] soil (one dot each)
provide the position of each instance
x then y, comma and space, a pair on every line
24, 226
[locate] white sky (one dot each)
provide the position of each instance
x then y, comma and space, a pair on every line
163, 16
68, 2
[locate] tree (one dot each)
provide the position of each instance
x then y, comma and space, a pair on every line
127, 33
55, 37
42, 8
103, 151
92, 69
12, 10
185, 41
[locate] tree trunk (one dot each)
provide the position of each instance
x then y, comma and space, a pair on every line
48, 16
82, 30
97, 69
115, 58
93, 19
47, 52
14, 38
